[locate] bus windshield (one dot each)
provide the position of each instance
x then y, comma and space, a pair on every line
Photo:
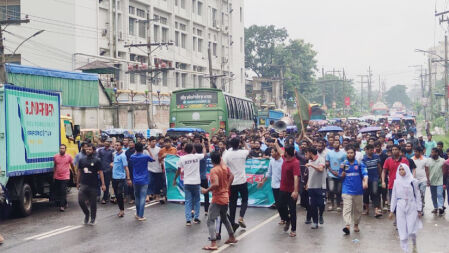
196, 99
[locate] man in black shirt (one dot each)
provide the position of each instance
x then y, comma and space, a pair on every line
255, 151
131, 150
87, 183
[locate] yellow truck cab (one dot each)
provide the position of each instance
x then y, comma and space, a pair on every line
69, 135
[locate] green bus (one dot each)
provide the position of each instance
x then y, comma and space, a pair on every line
210, 109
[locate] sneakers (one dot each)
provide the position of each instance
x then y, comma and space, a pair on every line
435, 211
346, 231
287, 226
196, 221
188, 223
314, 226
441, 211
92, 222
242, 223
308, 222
86, 219
321, 220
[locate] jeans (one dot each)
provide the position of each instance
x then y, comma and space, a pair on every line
60, 192
107, 181
140, 194
317, 202
88, 194
119, 190
205, 185
436, 192
192, 196
422, 188
216, 211
373, 192
287, 205
235, 190
335, 190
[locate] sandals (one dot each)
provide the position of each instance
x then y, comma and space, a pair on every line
292, 234
229, 241
356, 229
282, 222
121, 215
209, 248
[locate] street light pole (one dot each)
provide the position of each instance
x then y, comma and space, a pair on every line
445, 87
21, 43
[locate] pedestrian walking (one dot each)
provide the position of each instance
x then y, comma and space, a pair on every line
390, 167
106, 156
334, 158
406, 204
189, 165
420, 173
139, 161
434, 173
289, 188
372, 163
63, 163
235, 159
220, 180
316, 186
354, 179
87, 183
156, 174
120, 176
203, 174
129, 152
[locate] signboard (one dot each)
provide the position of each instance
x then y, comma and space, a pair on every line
255, 171
196, 99
347, 101
32, 130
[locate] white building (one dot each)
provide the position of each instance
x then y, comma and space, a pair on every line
82, 31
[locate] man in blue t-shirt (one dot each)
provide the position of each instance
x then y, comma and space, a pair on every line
355, 179
372, 163
334, 158
120, 176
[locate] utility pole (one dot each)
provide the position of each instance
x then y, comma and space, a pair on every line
151, 72
323, 88
212, 78
423, 93
430, 89
361, 93
445, 86
3, 78
369, 88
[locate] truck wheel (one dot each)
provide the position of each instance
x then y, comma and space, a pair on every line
25, 203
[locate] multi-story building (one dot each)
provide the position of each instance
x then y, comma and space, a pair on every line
70, 34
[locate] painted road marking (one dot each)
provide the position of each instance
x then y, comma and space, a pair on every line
240, 237
59, 232
152, 203
49, 233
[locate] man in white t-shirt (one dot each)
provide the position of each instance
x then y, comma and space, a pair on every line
235, 159
420, 172
190, 166
157, 180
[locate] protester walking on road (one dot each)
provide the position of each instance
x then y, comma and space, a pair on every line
106, 156
316, 186
139, 161
129, 152
434, 173
420, 173
406, 204
220, 180
156, 181
235, 159
374, 168
120, 176
87, 183
334, 158
289, 188
189, 165
63, 163
355, 179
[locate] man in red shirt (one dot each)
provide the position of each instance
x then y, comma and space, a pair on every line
61, 175
288, 191
220, 180
390, 166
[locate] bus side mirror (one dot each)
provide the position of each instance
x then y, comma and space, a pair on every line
76, 130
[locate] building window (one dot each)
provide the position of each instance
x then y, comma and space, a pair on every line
132, 10
143, 78
177, 38
214, 17
156, 33
183, 4
132, 77
164, 34
163, 20
132, 22
194, 81
176, 2
241, 44
10, 10
182, 27
140, 13
241, 14
165, 78
183, 79
200, 45
193, 6
177, 80
200, 8
142, 27
183, 40
214, 49
200, 81
194, 43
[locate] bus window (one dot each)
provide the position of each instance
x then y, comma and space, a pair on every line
227, 106
245, 109
236, 109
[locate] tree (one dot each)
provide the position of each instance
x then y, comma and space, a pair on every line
397, 93
260, 47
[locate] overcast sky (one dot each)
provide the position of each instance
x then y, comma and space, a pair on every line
356, 34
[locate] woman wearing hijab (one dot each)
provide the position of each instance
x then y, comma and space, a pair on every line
406, 203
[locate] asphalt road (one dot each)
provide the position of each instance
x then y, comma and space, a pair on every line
48, 230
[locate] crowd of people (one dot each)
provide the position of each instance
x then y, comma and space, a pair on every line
389, 170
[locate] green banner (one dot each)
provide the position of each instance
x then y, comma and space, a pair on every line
255, 171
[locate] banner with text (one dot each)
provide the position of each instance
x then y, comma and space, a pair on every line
255, 171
